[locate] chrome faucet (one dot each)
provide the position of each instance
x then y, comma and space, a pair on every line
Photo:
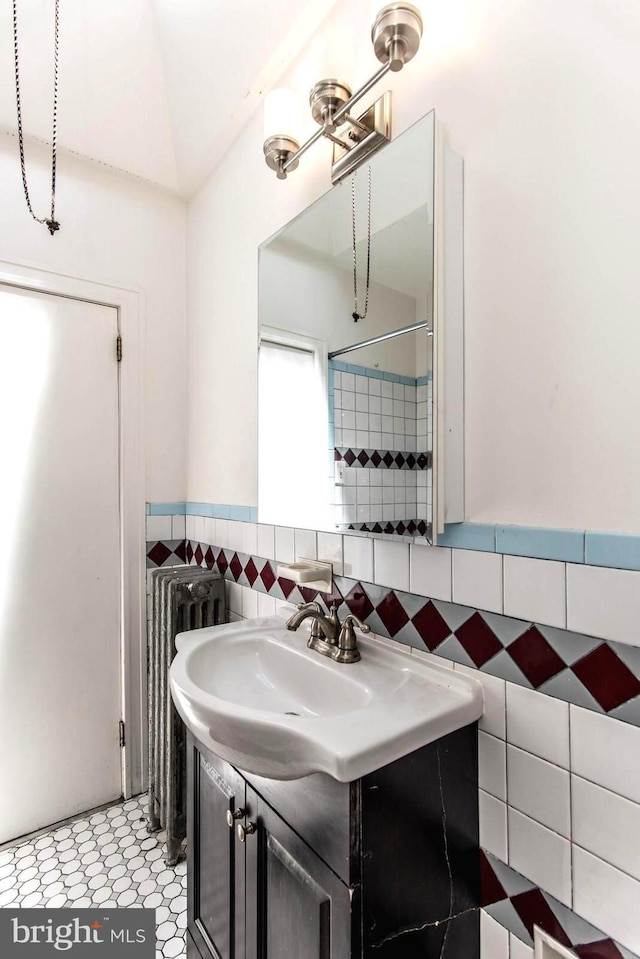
328, 636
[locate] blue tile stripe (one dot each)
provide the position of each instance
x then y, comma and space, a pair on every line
565, 545
614, 550
374, 374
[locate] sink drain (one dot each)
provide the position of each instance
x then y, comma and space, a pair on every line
292, 714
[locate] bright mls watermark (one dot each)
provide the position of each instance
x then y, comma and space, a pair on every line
78, 933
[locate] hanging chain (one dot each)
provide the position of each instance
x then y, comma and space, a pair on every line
360, 316
50, 222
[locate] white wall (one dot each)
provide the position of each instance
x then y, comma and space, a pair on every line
118, 231
541, 100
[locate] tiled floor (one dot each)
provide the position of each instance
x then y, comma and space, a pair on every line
107, 860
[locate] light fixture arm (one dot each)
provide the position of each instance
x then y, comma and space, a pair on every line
395, 35
340, 115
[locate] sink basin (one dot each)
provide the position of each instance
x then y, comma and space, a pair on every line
259, 698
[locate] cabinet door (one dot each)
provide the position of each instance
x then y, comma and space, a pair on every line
216, 860
297, 908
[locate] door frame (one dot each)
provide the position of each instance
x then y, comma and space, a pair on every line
129, 304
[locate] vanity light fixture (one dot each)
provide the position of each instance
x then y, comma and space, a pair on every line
395, 34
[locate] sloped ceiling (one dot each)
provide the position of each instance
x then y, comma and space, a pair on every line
156, 88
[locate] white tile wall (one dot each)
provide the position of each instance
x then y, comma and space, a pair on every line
518, 949
535, 589
603, 602
540, 790
541, 855
330, 551
430, 571
305, 544
493, 719
493, 825
492, 765
494, 938
159, 527
358, 558
285, 544
582, 849
538, 724
606, 825
607, 897
606, 751
477, 579
391, 564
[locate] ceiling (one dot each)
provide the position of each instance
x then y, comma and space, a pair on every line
156, 88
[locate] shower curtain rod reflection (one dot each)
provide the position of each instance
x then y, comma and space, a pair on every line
383, 336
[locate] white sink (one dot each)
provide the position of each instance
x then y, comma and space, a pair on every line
259, 698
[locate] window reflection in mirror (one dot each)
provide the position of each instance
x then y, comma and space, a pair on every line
374, 449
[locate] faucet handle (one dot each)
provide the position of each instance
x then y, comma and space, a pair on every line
347, 643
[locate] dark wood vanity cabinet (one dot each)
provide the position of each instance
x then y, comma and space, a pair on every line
331, 870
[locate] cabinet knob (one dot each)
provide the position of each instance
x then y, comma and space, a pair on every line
243, 831
232, 815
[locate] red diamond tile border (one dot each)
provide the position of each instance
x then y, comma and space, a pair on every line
431, 626
478, 639
392, 614
535, 907
536, 658
610, 681
607, 678
359, 603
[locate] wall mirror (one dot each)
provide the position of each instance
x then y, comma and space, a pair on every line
348, 410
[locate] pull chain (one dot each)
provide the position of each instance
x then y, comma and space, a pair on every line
356, 315
50, 222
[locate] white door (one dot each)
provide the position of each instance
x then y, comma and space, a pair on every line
60, 565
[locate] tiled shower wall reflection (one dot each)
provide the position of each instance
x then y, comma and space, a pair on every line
376, 417
559, 741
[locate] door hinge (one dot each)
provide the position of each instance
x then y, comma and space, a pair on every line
121, 733
119, 348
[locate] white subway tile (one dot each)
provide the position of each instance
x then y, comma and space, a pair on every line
266, 541
493, 719
607, 898
542, 856
606, 751
494, 938
250, 539
210, 531
604, 602
178, 526
492, 769
190, 527
535, 589
249, 602
285, 545
518, 948
477, 579
199, 528
305, 544
266, 604
330, 551
493, 825
540, 790
391, 564
234, 597
358, 557
158, 527
606, 825
538, 723
430, 571
222, 533
234, 535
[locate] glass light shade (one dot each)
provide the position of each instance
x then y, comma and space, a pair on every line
282, 113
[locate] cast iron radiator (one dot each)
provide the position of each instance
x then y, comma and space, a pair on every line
183, 598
